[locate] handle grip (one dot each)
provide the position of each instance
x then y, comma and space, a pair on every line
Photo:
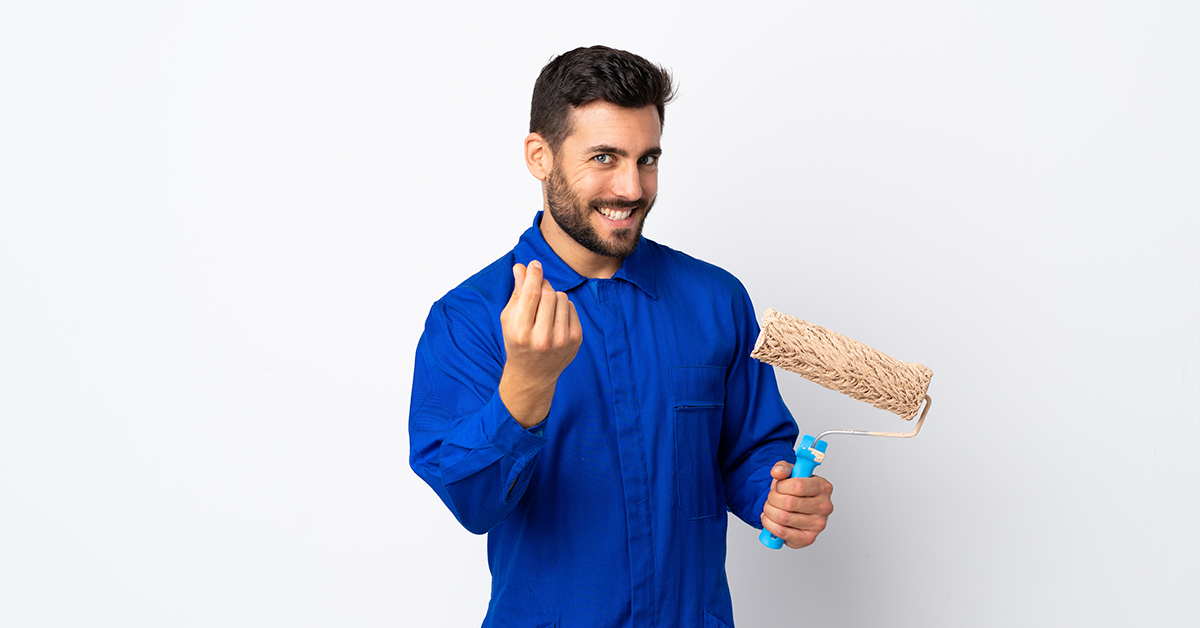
806, 463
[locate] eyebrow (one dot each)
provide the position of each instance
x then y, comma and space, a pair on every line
607, 148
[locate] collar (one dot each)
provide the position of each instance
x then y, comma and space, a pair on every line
637, 269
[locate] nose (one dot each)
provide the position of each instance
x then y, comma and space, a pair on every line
627, 181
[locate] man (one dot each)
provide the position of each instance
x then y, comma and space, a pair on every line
589, 400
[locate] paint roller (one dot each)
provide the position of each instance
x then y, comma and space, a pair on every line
847, 366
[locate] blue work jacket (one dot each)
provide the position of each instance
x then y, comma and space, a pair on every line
613, 511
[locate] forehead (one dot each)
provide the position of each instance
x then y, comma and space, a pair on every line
603, 123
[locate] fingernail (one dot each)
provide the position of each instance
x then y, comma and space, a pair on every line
535, 264
778, 468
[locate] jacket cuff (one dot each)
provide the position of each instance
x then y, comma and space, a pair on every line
506, 435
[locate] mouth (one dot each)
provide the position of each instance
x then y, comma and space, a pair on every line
616, 214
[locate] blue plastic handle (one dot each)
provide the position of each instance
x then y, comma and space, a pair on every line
806, 463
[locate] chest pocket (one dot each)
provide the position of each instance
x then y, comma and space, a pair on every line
698, 393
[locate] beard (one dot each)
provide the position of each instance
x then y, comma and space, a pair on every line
575, 218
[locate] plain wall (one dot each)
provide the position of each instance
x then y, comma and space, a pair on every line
222, 225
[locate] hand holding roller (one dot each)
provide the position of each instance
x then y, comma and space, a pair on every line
807, 461
847, 366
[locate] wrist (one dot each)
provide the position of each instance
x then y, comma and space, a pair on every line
526, 399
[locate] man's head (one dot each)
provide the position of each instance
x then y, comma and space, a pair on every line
594, 142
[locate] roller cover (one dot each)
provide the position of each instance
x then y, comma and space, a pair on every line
839, 363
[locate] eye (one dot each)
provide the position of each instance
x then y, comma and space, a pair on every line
603, 159
649, 160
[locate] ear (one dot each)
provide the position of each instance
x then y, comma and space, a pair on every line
538, 156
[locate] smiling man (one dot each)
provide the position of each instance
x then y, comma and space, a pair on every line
588, 400
611, 159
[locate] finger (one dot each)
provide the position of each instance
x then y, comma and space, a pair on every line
781, 523
786, 495
518, 280
576, 334
530, 296
791, 512
782, 508
533, 278
806, 487
771, 526
792, 537
792, 522
562, 320
805, 513
782, 470
544, 322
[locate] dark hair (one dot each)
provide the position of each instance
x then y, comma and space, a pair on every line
584, 75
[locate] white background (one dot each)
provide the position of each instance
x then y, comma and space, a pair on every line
223, 224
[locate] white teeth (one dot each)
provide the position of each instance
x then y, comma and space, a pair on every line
614, 214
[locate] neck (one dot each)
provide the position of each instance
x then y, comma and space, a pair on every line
579, 258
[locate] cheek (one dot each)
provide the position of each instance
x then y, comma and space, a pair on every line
586, 184
650, 184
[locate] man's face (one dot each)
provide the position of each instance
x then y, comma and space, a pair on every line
605, 177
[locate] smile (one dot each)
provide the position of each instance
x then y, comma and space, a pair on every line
615, 214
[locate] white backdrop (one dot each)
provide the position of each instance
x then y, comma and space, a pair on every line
223, 224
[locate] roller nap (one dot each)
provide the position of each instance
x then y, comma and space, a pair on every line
842, 364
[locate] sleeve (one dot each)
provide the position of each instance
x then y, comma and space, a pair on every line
758, 430
462, 440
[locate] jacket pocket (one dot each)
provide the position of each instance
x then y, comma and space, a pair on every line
698, 393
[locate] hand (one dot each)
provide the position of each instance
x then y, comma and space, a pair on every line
541, 336
797, 509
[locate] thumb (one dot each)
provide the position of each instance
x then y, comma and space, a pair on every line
782, 470
518, 279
